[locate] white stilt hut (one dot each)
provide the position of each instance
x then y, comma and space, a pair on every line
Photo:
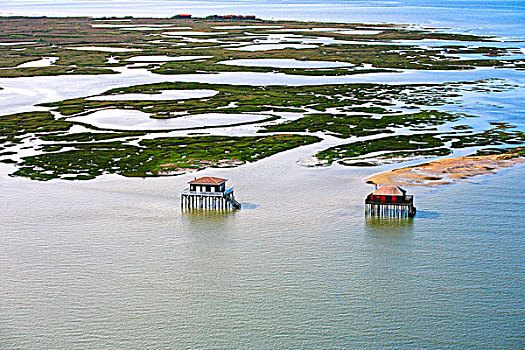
208, 193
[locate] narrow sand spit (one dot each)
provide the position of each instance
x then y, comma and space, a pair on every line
448, 170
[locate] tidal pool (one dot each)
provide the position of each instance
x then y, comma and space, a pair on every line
267, 47
193, 33
285, 63
245, 27
113, 20
358, 32
154, 28
293, 38
281, 41
43, 62
406, 76
166, 95
166, 42
334, 30
165, 58
112, 60
102, 49
164, 25
18, 43
124, 119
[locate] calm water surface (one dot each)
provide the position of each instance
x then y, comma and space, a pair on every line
114, 263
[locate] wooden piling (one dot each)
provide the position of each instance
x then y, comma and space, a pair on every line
208, 193
390, 201
191, 200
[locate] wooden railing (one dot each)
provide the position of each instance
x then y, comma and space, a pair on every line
408, 200
206, 194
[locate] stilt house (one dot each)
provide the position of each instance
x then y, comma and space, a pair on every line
208, 193
390, 201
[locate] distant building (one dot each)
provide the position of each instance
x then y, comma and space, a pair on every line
208, 193
390, 201
182, 16
234, 18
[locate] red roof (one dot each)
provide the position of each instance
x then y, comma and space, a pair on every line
389, 190
208, 180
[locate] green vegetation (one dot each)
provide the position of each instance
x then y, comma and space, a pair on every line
396, 156
420, 145
242, 99
408, 144
491, 137
16, 126
344, 126
213, 65
53, 70
87, 136
155, 157
384, 58
345, 110
518, 151
53, 37
230, 99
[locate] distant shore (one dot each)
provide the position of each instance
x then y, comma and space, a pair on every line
449, 170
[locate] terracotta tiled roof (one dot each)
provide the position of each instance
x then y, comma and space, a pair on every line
208, 180
389, 190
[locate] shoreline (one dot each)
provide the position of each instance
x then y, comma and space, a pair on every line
448, 170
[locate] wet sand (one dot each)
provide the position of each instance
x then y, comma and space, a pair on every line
448, 170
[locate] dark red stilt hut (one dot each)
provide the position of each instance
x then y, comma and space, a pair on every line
390, 201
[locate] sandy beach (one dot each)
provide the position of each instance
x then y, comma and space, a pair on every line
448, 170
